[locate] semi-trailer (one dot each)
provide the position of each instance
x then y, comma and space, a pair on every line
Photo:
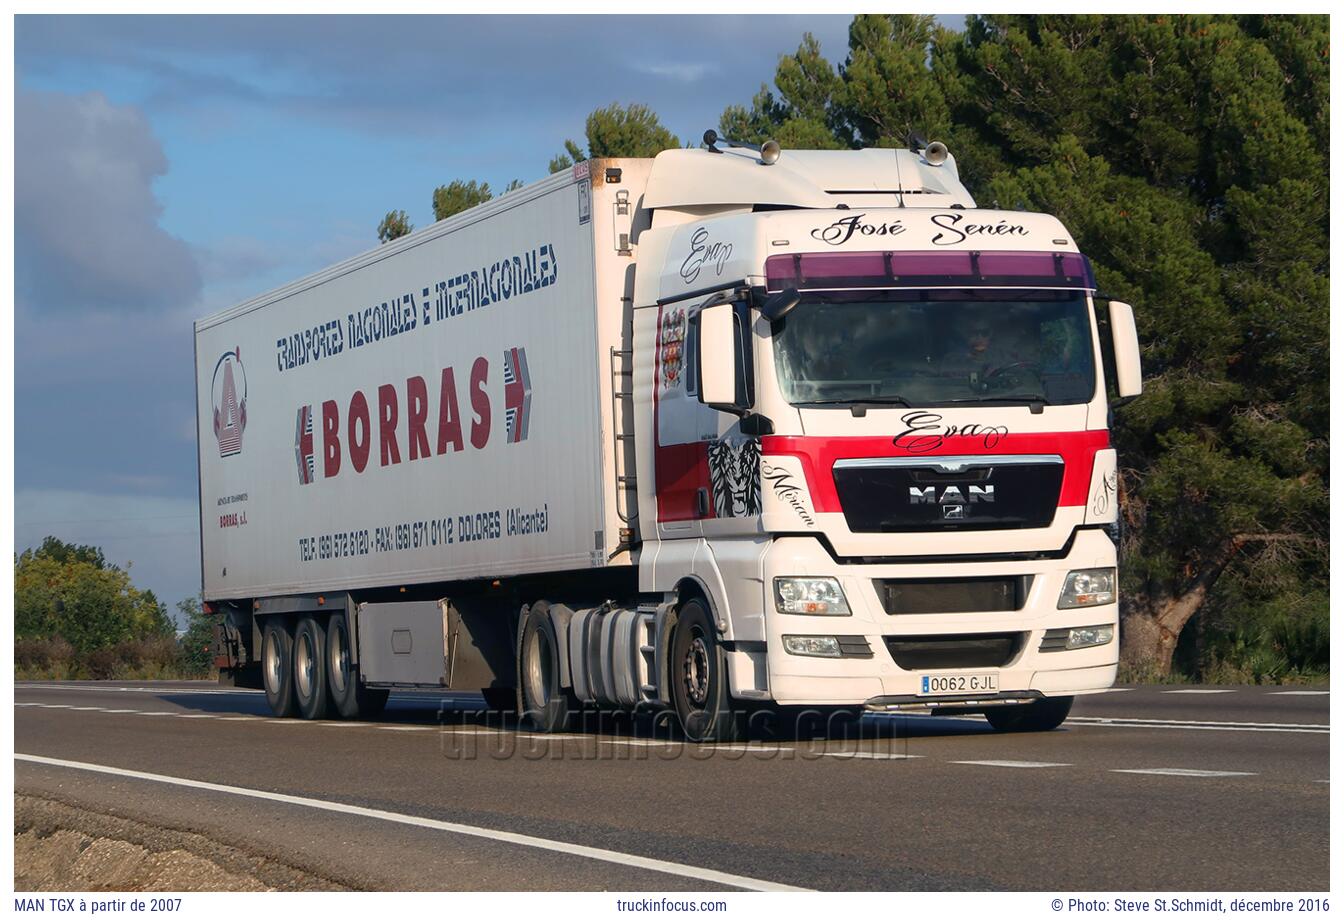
719, 431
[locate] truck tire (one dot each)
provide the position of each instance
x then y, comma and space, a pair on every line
699, 676
277, 667
350, 699
1040, 716
310, 668
543, 705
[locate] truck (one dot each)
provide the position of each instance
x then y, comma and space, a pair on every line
723, 431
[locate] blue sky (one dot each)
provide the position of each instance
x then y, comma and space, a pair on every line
167, 167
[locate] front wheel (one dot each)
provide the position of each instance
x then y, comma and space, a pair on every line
1040, 716
543, 705
699, 675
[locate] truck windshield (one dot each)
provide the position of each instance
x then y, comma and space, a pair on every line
936, 348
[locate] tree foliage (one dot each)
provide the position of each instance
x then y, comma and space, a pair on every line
198, 640
394, 225
1189, 157
67, 591
457, 196
618, 131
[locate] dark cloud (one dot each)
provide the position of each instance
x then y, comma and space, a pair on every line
86, 221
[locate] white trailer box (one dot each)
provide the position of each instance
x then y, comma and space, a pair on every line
438, 408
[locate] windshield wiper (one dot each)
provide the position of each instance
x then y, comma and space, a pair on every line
1036, 401
859, 407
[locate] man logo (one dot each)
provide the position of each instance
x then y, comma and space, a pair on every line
951, 495
230, 409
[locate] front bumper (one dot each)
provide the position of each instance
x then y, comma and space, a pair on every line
879, 682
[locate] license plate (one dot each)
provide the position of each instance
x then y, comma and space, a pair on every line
930, 685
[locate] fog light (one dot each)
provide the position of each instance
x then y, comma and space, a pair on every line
813, 646
1087, 588
1088, 636
820, 596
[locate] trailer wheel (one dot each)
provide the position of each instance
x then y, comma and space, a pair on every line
349, 698
543, 705
1040, 716
277, 668
310, 669
699, 678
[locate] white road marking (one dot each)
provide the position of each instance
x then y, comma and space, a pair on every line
87, 708
1312, 728
87, 689
871, 755
1025, 764
1115, 690
1175, 771
343, 724
155, 712
196, 715
232, 718
1199, 691
121, 710
1298, 693
629, 860
406, 728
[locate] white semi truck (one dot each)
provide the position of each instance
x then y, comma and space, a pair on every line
724, 430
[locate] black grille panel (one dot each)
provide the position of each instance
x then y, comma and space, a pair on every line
854, 647
908, 498
953, 595
968, 650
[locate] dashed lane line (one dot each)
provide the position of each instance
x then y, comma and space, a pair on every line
870, 755
1312, 728
629, 860
1298, 693
1023, 764
1176, 771
1199, 691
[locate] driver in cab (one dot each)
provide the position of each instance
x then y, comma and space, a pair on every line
984, 355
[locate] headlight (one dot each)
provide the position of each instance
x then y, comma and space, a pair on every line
1087, 588
810, 595
813, 646
1088, 636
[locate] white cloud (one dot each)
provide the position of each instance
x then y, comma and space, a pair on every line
681, 71
86, 221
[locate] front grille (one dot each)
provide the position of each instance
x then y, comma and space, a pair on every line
968, 650
909, 494
953, 595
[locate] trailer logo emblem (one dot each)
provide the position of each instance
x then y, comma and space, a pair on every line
303, 445
230, 409
517, 395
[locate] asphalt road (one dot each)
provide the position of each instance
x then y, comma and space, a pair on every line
1147, 788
